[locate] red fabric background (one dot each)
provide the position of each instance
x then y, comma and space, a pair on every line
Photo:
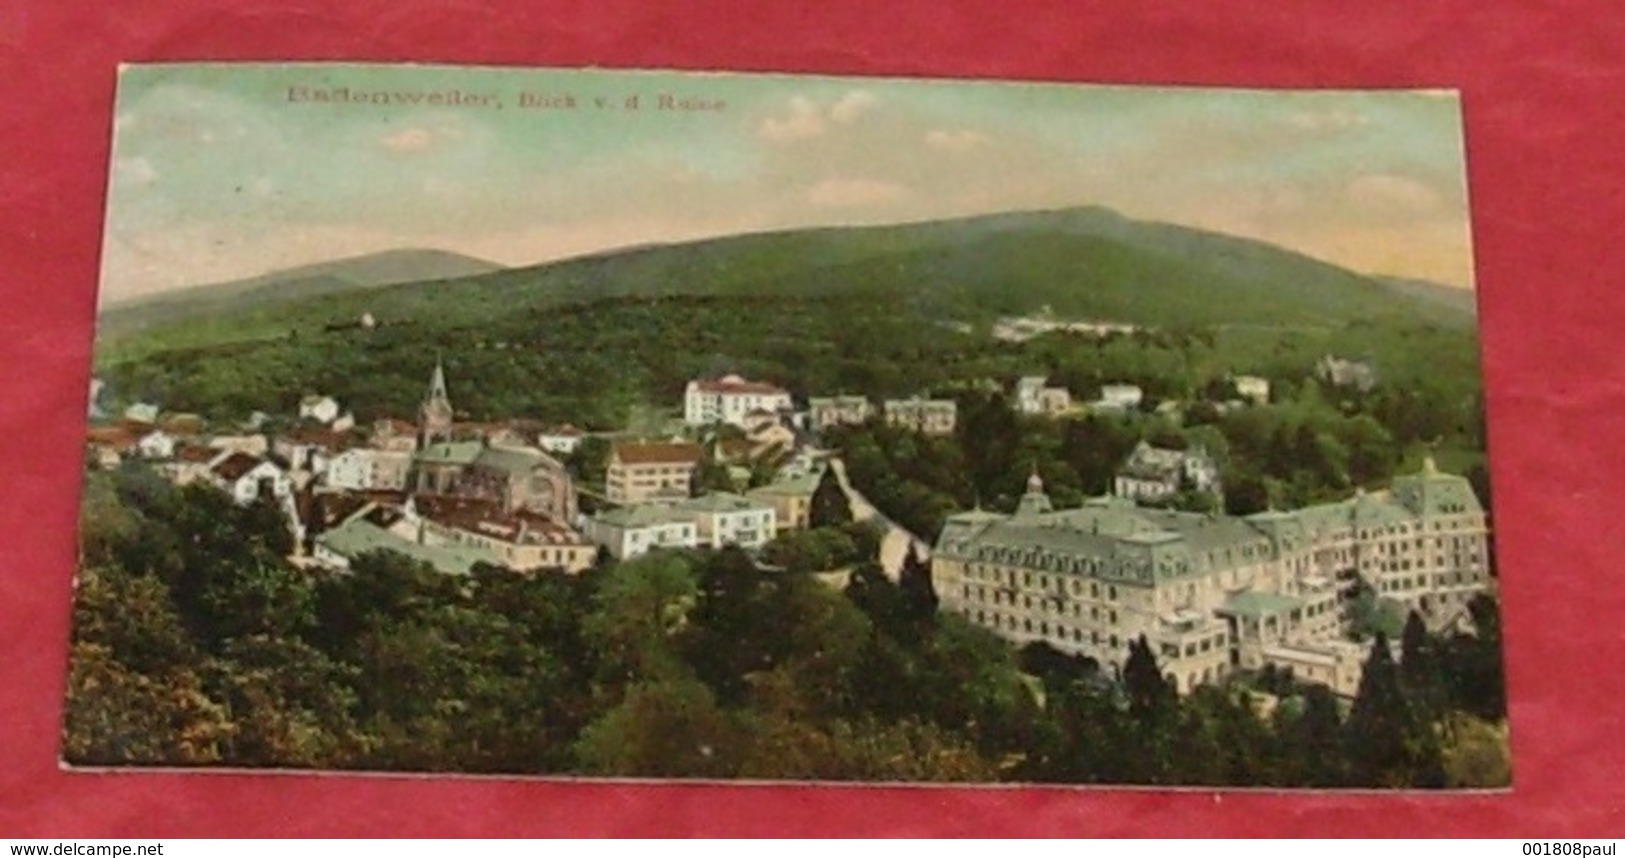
1543, 96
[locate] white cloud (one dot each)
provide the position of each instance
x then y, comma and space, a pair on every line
855, 193
851, 106
804, 120
955, 140
808, 118
1386, 191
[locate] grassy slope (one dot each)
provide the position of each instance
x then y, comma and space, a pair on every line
1084, 262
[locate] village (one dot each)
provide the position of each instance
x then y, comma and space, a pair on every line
1216, 593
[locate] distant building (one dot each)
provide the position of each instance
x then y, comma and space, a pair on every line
1339, 372
929, 416
362, 534
515, 477
392, 434
248, 478
790, 496
1252, 388
729, 399
157, 444
1120, 397
309, 448
635, 530
1034, 395
252, 444
1214, 593
1155, 474
721, 518
560, 440
322, 409
640, 473
436, 418
519, 539
366, 469
826, 412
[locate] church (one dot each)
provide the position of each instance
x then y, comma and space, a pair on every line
519, 478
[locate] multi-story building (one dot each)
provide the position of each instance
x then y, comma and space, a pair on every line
517, 477
930, 416
1212, 593
790, 496
1155, 474
1035, 396
729, 399
635, 530
520, 539
366, 469
640, 473
721, 518
827, 411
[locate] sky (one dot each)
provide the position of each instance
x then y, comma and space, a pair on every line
227, 171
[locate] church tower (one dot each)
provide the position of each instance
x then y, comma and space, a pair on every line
435, 415
1035, 501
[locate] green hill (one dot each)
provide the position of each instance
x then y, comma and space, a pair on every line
883, 311
214, 300
1087, 262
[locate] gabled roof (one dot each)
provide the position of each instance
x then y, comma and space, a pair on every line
234, 465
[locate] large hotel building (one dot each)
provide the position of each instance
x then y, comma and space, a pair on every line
1215, 593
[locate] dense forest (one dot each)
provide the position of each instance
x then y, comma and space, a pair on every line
197, 643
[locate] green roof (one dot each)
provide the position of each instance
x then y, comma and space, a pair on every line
719, 502
514, 460
643, 515
359, 536
1253, 604
451, 452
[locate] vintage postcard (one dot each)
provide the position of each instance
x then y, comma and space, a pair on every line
660, 425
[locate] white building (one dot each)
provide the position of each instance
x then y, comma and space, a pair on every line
729, 399
362, 469
1252, 388
322, 409
1154, 473
157, 444
722, 519
1035, 396
1213, 593
246, 478
635, 530
560, 441
1120, 397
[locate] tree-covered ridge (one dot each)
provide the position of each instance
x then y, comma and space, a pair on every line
196, 643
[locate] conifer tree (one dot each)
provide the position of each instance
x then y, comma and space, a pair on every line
829, 506
1388, 742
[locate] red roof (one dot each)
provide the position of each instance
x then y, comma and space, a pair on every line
195, 455
487, 518
119, 438
658, 454
316, 436
735, 384
233, 466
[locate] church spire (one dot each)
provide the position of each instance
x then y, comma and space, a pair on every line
435, 415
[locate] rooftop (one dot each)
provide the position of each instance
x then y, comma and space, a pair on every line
658, 454
359, 536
